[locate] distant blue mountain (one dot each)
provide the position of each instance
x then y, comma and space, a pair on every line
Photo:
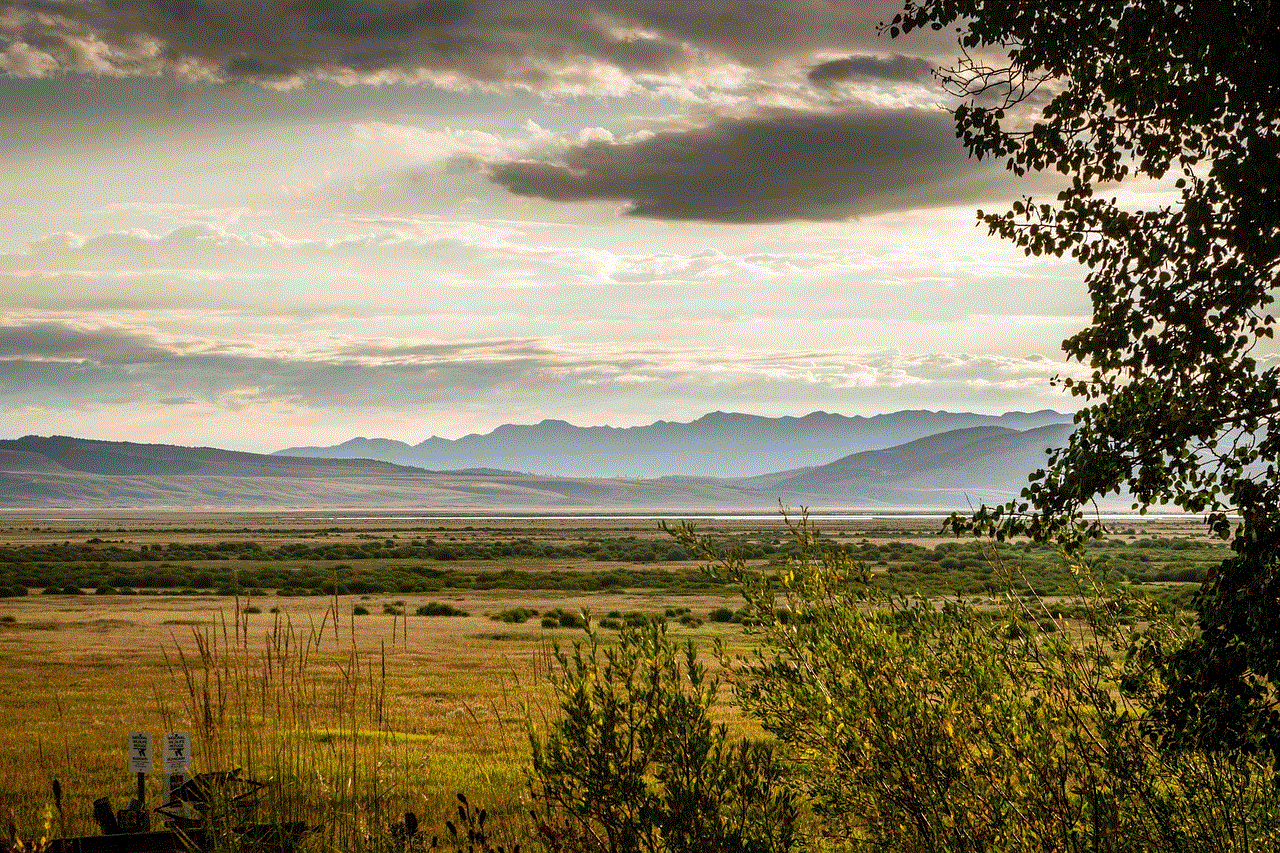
948, 470
720, 444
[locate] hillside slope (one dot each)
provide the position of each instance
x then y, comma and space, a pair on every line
954, 468
945, 471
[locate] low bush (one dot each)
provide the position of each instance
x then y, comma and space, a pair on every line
558, 618
636, 619
439, 608
634, 763
514, 615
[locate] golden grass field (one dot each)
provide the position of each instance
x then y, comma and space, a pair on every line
414, 708
355, 719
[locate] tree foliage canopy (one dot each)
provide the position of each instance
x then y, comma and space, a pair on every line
1182, 400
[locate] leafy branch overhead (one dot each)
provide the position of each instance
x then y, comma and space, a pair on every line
1183, 395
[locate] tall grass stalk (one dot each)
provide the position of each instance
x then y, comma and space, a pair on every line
305, 714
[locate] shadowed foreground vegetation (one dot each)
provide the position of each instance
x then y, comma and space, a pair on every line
874, 689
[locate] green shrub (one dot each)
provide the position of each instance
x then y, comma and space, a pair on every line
636, 619
634, 763
359, 610
253, 608
917, 726
438, 608
558, 618
514, 615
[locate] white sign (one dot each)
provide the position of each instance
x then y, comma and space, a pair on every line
177, 752
140, 752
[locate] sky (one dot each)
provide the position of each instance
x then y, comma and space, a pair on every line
266, 224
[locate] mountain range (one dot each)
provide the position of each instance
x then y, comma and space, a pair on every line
945, 470
720, 444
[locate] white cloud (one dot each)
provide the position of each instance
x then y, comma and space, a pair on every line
433, 145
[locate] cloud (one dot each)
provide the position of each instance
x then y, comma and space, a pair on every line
115, 380
328, 366
62, 341
502, 277
910, 69
541, 46
434, 145
769, 166
213, 251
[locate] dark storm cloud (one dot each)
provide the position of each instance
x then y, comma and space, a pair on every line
910, 69
772, 166
536, 45
365, 19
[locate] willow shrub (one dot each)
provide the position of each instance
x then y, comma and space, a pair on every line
914, 725
634, 764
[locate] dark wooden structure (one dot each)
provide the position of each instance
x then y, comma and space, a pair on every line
207, 808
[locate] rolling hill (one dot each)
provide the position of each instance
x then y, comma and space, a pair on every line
947, 470
953, 468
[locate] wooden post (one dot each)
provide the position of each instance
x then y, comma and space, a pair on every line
177, 760
140, 755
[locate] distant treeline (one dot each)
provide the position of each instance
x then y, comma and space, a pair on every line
624, 549
378, 565
339, 579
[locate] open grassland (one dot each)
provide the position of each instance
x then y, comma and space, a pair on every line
317, 653
429, 705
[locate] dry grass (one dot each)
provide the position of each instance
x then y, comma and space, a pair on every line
353, 720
